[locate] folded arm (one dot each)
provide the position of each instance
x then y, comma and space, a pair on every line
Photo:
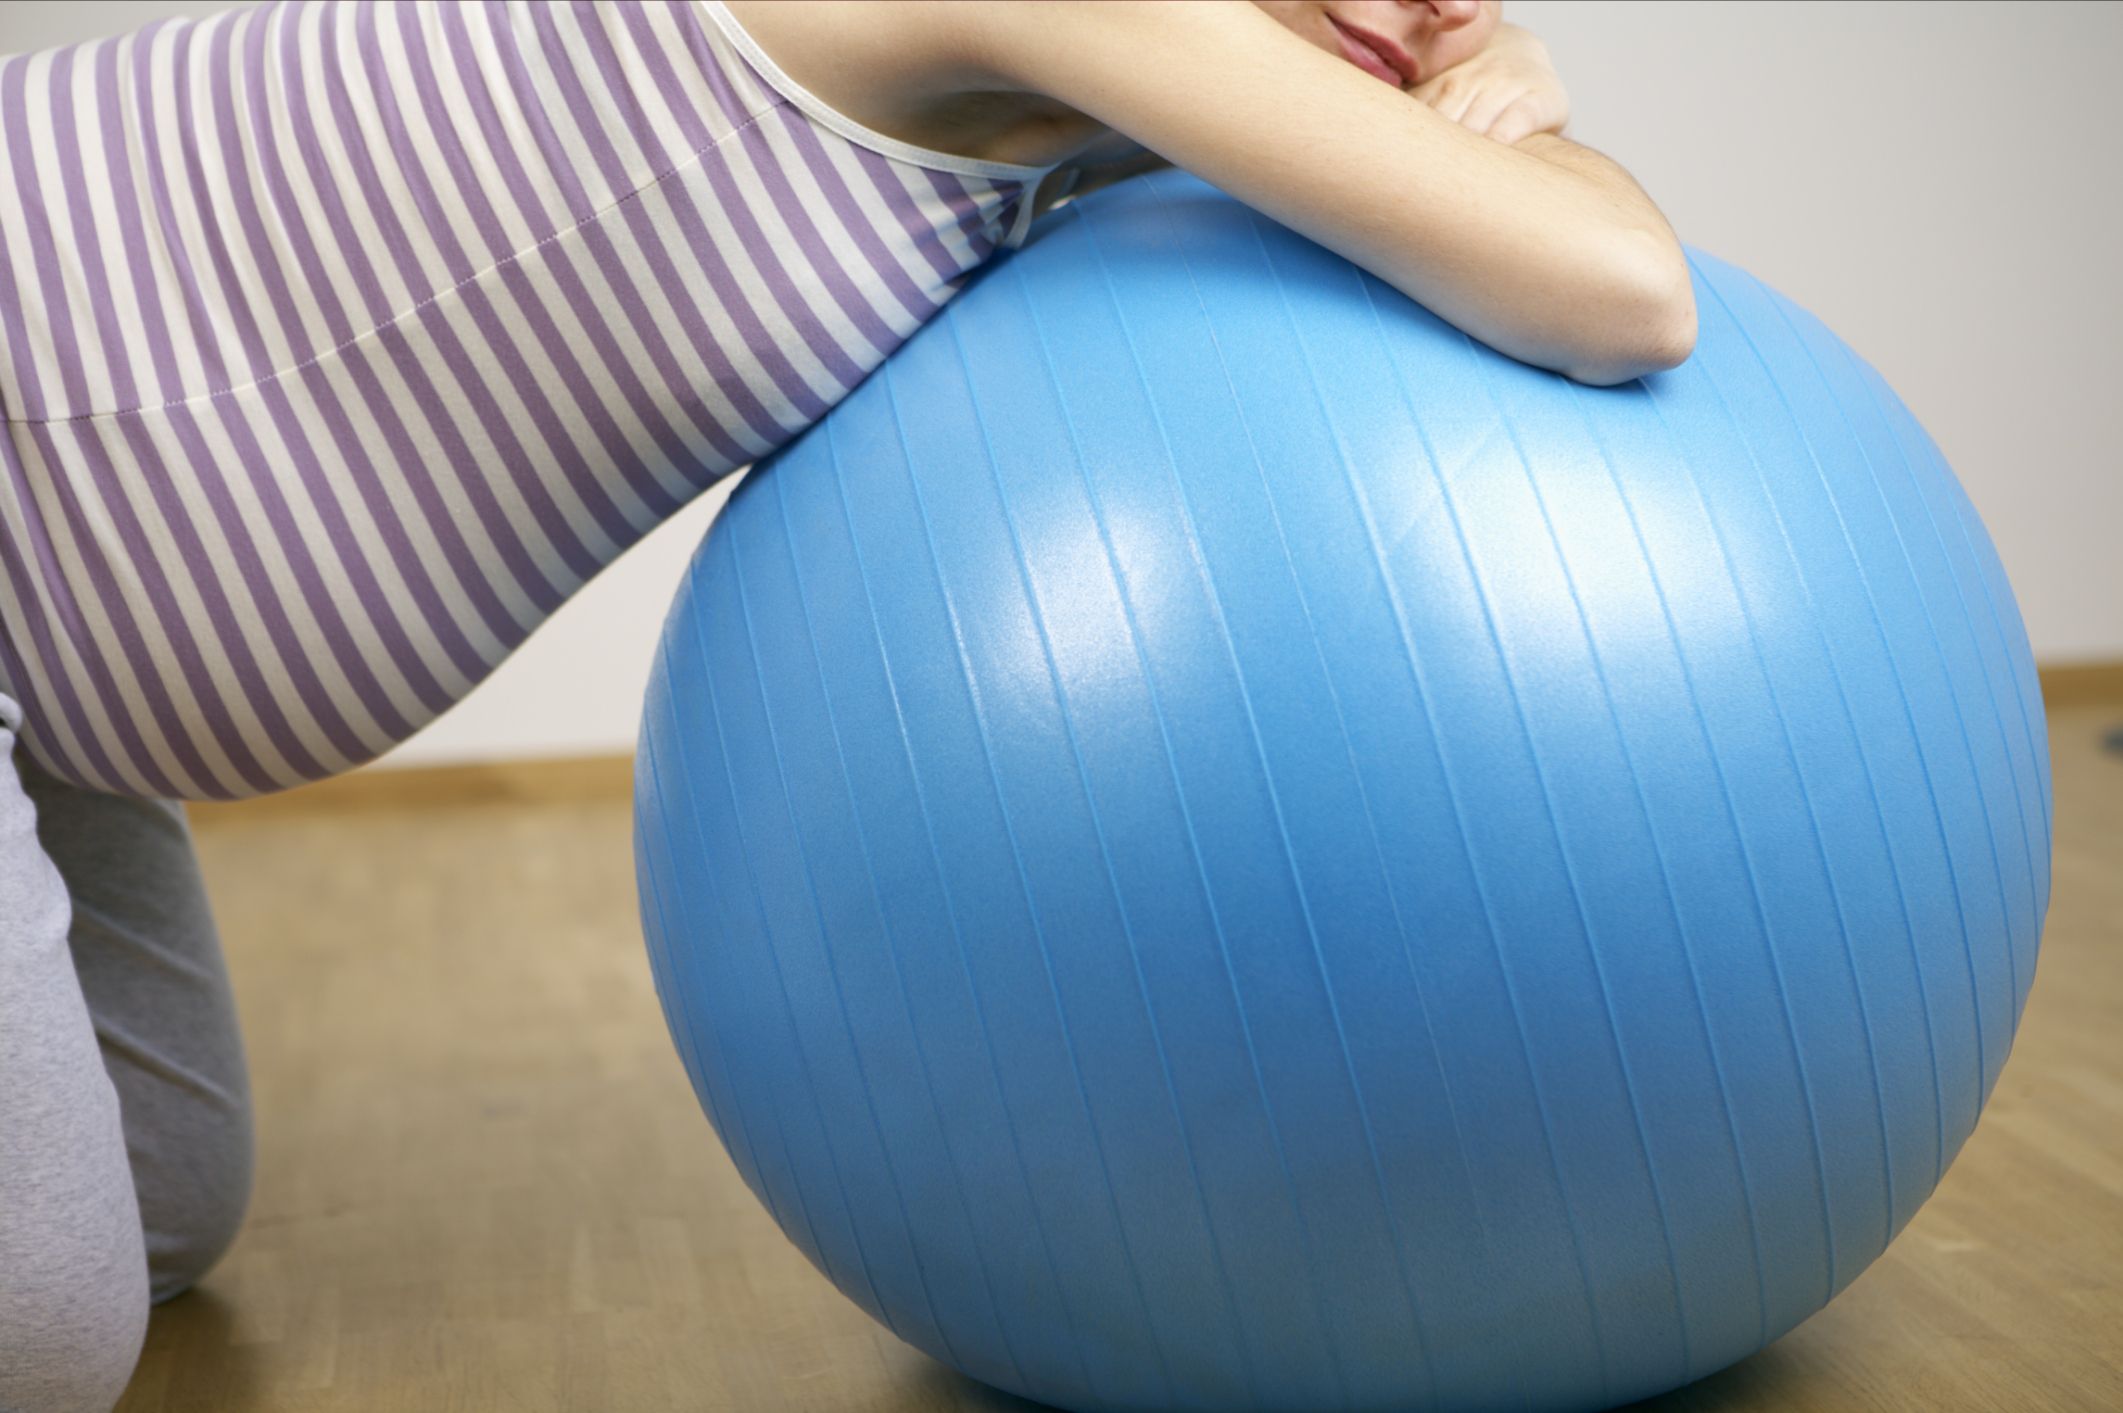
1541, 248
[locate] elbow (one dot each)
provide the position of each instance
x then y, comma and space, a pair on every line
1671, 321
1650, 326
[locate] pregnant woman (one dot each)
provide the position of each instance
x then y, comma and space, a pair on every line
340, 343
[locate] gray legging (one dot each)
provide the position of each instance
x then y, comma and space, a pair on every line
125, 1112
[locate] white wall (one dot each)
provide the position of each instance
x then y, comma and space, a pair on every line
1941, 183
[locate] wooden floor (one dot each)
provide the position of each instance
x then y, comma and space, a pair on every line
483, 1182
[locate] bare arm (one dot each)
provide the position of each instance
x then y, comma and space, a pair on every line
1543, 249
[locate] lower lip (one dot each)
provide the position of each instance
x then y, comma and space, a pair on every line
1363, 55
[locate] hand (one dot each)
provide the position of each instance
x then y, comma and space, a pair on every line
1509, 91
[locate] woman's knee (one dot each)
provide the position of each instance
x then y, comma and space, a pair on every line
73, 1304
73, 1275
73, 1271
191, 1207
149, 960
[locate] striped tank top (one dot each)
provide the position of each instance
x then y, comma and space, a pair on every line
340, 343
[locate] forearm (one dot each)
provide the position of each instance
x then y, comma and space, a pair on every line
1578, 336
1556, 263
1629, 199
1509, 93
1545, 250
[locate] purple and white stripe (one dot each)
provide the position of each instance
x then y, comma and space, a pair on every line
340, 343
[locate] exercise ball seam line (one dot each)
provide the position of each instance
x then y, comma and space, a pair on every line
1688, 951
2026, 678
1799, 774
687, 1044
825, 942
1039, 929
766, 926
1480, 883
1985, 1075
1960, 911
1391, 594
1582, 402
1724, 786
1199, 561
817, 1251
1164, 735
1356, 1087
1378, 848
1260, 756
1541, 1106
698, 1070
972, 984
973, 993
2037, 755
1967, 744
1894, 864
2027, 683
981, 1258
1208, 897
659, 929
1417, 680
1585, 929
1960, 717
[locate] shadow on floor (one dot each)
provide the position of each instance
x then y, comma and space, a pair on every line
1771, 1378
934, 1385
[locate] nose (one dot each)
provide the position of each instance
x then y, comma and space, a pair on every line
1445, 15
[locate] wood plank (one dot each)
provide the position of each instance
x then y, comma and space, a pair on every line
2077, 684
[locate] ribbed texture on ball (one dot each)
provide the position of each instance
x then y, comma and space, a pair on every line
1210, 843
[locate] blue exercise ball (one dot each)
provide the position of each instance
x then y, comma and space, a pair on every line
1209, 842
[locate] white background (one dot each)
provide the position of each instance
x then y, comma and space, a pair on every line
1941, 183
